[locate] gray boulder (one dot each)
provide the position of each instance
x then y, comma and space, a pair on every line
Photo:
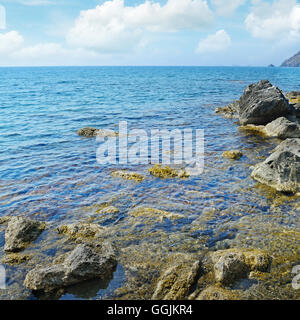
262, 103
85, 262
281, 170
21, 232
282, 128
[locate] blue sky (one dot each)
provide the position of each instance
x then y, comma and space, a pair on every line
140, 32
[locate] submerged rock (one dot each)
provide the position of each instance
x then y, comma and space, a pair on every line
176, 282
89, 132
153, 213
282, 128
108, 210
281, 170
81, 230
167, 172
217, 293
262, 103
233, 264
15, 258
233, 154
127, 175
85, 262
20, 232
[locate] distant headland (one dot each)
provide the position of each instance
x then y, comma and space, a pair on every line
293, 61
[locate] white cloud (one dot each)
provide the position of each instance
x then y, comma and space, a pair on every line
217, 42
10, 42
274, 21
113, 26
226, 7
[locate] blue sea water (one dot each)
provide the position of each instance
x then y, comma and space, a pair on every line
49, 172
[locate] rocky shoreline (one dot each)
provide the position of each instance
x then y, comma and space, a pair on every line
87, 253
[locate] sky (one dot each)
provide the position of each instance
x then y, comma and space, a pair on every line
144, 32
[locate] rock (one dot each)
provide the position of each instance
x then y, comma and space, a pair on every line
297, 109
217, 293
233, 155
81, 230
154, 213
281, 170
89, 132
262, 103
271, 65
109, 210
126, 175
294, 61
85, 262
233, 264
176, 282
167, 172
229, 111
259, 130
4, 219
20, 232
282, 128
15, 258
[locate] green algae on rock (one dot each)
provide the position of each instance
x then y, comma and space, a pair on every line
15, 258
80, 230
233, 154
167, 172
108, 210
153, 213
127, 175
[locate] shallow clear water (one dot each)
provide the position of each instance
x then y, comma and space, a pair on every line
48, 172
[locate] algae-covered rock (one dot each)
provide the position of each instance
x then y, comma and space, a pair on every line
81, 230
233, 154
233, 264
217, 293
282, 128
15, 258
153, 213
20, 232
127, 175
89, 132
281, 170
165, 172
108, 210
176, 282
262, 103
5, 219
229, 111
259, 130
85, 262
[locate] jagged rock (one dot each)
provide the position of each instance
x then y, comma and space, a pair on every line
176, 282
282, 128
20, 232
217, 293
229, 111
233, 264
281, 170
81, 230
89, 132
262, 103
4, 219
233, 154
85, 262
127, 175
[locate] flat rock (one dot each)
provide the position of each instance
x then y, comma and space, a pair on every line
127, 175
233, 154
81, 230
85, 262
21, 232
262, 103
282, 128
281, 170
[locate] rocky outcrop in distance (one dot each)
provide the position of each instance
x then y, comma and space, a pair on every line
294, 61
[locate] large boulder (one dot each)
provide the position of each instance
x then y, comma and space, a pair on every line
281, 170
21, 232
262, 103
282, 128
85, 262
